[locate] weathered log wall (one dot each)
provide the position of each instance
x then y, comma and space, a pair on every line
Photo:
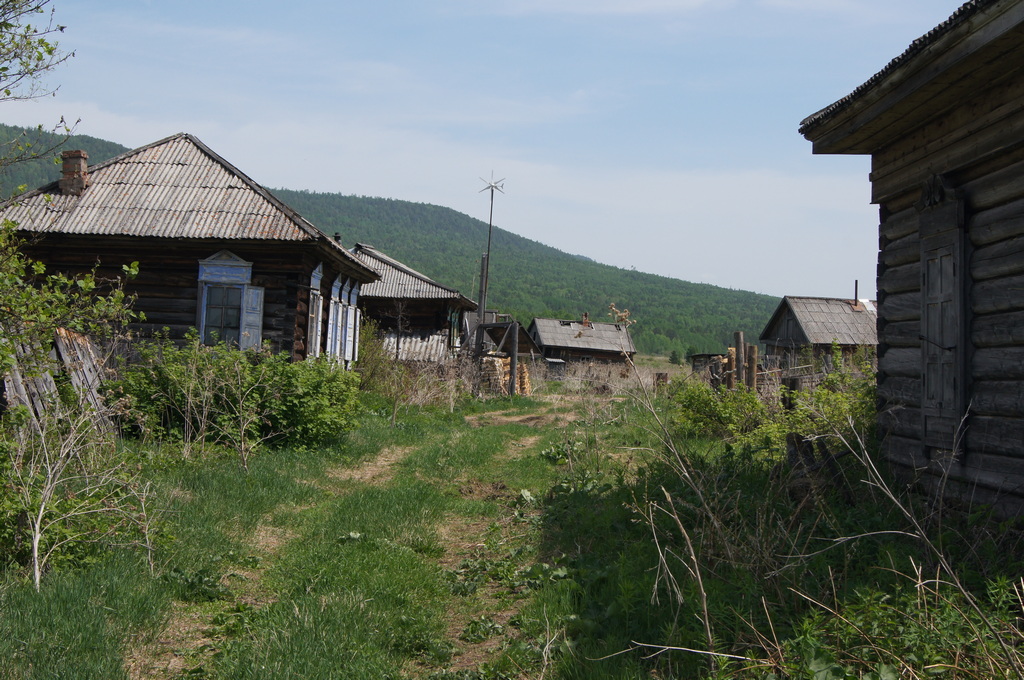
977, 148
166, 287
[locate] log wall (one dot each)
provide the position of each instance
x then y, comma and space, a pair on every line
166, 286
979, 150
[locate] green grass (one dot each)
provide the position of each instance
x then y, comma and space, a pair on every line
81, 623
502, 549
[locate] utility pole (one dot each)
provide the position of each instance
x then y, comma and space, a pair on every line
485, 265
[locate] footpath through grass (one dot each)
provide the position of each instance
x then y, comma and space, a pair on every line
450, 546
553, 538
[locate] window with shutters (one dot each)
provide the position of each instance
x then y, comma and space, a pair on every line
314, 325
230, 308
943, 323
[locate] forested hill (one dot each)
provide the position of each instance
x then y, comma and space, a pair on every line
528, 279
43, 148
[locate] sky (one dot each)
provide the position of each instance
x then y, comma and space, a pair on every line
659, 135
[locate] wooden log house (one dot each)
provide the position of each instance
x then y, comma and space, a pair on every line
422, 320
216, 251
583, 340
944, 126
800, 334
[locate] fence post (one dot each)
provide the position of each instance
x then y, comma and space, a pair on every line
741, 359
752, 367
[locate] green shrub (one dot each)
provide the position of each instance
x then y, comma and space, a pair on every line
736, 416
840, 410
199, 394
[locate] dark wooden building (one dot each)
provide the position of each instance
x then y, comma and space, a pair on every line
422, 320
944, 126
216, 251
803, 329
582, 340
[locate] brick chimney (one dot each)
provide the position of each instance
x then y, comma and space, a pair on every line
75, 177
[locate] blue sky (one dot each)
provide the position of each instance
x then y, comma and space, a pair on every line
655, 134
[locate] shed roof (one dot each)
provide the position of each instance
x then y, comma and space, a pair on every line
598, 337
979, 44
398, 280
822, 321
174, 188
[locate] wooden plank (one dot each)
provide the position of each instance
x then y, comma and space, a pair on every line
899, 225
998, 363
85, 370
998, 295
900, 362
979, 132
995, 435
998, 330
1001, 259
900, 278
904, 451
900, 306
895, 391
997, 398
901, 421
999, 223
1000, 186
900, 333
906, 250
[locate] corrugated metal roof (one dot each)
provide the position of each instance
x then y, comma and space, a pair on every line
174, 188
398, 280
959, 17
600, 337
827, 320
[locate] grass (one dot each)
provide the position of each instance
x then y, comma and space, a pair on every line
541, 537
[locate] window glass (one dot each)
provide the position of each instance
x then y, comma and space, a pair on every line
223, 314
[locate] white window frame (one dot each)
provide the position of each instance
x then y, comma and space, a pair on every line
314, 327
225, 269
335, 320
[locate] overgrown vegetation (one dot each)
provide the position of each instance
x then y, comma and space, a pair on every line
202, 395
579, 534
261, 518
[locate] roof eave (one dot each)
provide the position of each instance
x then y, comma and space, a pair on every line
933, 70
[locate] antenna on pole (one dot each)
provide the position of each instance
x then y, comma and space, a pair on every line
492, 186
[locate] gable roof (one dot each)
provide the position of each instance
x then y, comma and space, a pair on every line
821, 321
398, 280
173, 188
597, 337
978, 45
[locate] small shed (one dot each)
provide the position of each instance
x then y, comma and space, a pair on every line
422, 320
943, 124
804, 329
216, 251
583, 340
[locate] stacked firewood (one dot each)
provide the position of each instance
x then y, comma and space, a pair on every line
494, 375
523, 380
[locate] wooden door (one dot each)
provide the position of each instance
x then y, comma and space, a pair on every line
943, 316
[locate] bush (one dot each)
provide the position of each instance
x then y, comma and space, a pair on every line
199, 394
738, 416
840, 410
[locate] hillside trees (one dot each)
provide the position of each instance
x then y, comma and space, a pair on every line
528, 279
28, 51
